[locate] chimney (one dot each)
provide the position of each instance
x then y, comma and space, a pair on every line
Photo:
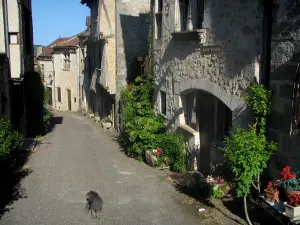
39, 50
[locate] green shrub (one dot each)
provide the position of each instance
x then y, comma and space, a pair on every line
173, 147
11, 141
248, 152
47, 115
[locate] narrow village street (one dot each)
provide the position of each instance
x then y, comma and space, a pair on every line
78, 156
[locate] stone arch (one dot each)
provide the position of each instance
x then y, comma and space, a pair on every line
232, 102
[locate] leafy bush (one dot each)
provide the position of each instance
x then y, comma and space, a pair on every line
139, 126
259, 99
142, 130
248, 152
11, 141
173, 147
47, 115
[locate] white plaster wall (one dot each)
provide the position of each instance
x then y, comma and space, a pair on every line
2, 33
13, 16
15, 64
66, 79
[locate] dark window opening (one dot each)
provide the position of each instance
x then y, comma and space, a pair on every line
27, 31
190, 111
298, 109
224, 121
184, 9
59, 94
163, 102
158, 19
160, 6
200, 13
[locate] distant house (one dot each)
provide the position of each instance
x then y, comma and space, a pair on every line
61, 64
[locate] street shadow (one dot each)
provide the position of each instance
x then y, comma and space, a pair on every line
11, 175
55, 120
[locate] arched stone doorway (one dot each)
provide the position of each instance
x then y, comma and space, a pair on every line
211, 118
206, 112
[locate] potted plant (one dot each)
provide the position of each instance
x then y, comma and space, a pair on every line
292, 206
91, 113
155, 157
271, 192
290, 182
97, 117
106, 123
219, 187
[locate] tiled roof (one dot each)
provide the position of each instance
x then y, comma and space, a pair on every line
73, 41
64, 42
47, 52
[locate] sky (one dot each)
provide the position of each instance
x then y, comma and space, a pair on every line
54, 18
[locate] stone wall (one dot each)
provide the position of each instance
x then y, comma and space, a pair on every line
226, 63
285, 53
132, 28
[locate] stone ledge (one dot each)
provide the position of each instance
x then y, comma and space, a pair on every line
195, 35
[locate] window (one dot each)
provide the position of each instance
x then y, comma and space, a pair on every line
27, 31
223, 120
42, 68
66, 61
160, 6
190, 111
200, 13
59, 94
183, 10
163, 102
158, 23
13, 38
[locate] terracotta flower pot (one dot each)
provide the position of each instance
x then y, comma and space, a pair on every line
288, 193
272, 196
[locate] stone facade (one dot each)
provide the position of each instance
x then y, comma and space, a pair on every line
215, 54
285, 54
118, 36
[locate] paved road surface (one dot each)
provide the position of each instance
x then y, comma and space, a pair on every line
79, 156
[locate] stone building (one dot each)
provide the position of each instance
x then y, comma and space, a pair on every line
16, 60
119, 34
61, 64
206, 54
284, 47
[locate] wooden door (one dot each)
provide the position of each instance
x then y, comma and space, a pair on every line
69, 100
49, 92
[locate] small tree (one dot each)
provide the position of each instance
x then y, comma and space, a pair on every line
248, 152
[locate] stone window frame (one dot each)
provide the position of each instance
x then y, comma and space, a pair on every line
158, 18
181, 21
66, 61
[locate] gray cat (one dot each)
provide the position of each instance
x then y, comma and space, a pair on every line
94, 203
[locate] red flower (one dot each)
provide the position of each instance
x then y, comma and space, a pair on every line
158, 150
272, 187
294, 200
286, 173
